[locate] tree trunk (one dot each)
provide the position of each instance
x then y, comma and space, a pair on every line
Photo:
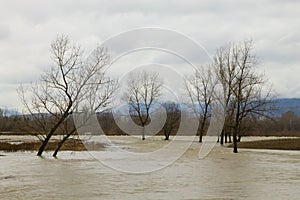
167, 134
52, 131
239, 138
143, 133
222, 137
44, 144
167, 137
235, 150
202, 129
229, 136
60, 144
236, 128
200, 137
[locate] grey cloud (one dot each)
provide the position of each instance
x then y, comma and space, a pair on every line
27, 29
4, 32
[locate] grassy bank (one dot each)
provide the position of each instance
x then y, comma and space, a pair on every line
71, 145
276, 144
77, 145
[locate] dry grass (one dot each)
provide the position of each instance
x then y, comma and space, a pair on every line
71, 145
276, 144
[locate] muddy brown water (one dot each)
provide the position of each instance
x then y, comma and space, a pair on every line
250, 174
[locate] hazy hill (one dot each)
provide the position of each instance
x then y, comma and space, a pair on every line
287, 104
282, 106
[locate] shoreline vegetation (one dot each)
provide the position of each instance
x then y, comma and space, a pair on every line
70, 145
272, 144
77, 145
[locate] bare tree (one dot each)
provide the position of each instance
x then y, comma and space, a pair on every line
143, 89
245, 89
97, 99
200, 88
70, 82
173, 118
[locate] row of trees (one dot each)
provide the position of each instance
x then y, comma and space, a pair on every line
287, 124
77, 84
246, 93
8, 120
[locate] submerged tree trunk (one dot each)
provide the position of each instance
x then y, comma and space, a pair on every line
202, 130
235, 150
143, 133
44, 144
203, 123
229, 138
239, 138
200, 137
236, 128
222, 137
52, 131
61, 143
167, 135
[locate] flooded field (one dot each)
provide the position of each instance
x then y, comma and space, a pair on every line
250, 174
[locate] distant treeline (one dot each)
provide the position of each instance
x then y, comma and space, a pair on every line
288, 124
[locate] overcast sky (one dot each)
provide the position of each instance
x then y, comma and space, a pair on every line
28, 27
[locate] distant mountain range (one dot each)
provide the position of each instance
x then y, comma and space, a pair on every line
287, 104
282, 106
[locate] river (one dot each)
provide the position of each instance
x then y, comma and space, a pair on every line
250, 174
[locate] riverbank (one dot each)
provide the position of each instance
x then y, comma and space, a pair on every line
30, 143
70, 145
275, 144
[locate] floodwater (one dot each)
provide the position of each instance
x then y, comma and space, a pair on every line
250, 174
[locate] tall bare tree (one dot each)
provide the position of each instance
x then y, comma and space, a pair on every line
200, 88
71, 81
246, 91
143, 89
225, 70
